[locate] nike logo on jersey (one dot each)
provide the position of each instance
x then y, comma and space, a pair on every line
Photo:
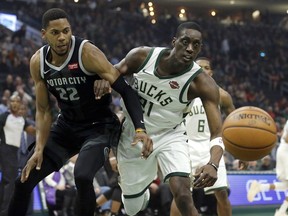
45, 72
144, 71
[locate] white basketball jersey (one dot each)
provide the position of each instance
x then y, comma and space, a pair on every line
284, 133
196, 122
164, 99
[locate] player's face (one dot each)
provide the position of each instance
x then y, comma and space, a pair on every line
205, 65
187, 45
58, 36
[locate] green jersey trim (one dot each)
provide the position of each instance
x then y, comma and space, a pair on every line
186, 85
146, 60
182, 174
136, 195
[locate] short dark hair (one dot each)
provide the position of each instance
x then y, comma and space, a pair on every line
187, 25
203, 58
53, 14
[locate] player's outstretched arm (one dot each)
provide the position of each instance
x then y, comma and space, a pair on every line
43, 118
204, 86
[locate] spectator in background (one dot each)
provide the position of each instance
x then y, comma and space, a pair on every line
266, 163
26, 98
12, 124
9, 83
58, 196
252, 165
5, 65
4, 104
235, 165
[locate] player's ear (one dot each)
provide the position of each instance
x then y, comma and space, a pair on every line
43, 32
173, 41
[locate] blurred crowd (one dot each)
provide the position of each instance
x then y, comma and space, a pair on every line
249, 57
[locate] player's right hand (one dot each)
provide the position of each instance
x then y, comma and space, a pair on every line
101, 87
34, 161
147, 147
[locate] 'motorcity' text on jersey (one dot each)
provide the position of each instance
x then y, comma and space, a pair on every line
164, 99
72, 85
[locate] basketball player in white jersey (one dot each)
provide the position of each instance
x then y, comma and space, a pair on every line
199, 144
281, 172
167, 80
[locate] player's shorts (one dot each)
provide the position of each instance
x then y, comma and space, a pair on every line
282, 162
170, 152
67, 139
200, 156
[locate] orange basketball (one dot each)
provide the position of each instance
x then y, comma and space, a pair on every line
249, 133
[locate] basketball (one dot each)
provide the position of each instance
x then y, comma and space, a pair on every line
249, 133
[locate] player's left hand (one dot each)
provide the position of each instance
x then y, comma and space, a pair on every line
205, 176
101, 87
147, 146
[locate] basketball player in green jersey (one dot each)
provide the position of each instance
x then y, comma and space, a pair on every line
167, 80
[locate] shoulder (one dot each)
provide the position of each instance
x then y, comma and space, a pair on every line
89, 47
203, 86
225, 97
224, 94
35, 57
35, 64
134, 59
139, 53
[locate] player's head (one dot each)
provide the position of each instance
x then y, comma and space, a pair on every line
187, 42
205, 64
56, 30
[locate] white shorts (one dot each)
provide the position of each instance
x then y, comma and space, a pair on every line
199, 156
282, 162
170, 152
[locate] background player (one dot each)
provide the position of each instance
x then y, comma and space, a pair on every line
67, 67
281, 172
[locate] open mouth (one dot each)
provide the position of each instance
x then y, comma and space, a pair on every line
62, 47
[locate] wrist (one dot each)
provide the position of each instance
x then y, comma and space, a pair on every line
39, 149
140, 130
217, 142
215, 166
112, 158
